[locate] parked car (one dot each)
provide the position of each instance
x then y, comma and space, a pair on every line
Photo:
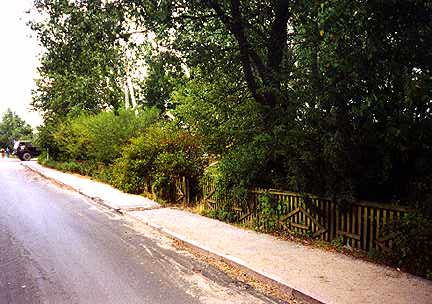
25, 150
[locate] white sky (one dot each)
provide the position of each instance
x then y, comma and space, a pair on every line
18, 60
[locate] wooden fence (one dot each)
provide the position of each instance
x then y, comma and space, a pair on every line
359, 225
181, 191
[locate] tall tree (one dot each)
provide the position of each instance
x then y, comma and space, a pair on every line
344, 87
82, 63
252, 35
12, 127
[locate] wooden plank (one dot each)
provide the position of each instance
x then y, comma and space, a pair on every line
306, 218
326, 219
359, 226
365, 225
297, 216
384, 222
371, 228
280, 210
348, 223
290, 208
353, 214
209, 194
384, 217
342, 221
332, 221
359, 203
337, 220
244, 217
349, 235
303, 217
382, 206
312, 219
290, 214
319, 232
293, 218
391, 219
378, 226
300, 226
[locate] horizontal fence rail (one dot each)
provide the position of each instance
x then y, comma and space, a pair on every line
359, 225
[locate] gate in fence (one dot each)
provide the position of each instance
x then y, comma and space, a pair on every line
359, 225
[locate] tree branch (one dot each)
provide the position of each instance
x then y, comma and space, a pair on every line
278, 37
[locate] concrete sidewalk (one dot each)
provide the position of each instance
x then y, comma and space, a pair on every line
100, 192
324, 276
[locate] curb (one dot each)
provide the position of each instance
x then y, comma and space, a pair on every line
230, 260
96, 200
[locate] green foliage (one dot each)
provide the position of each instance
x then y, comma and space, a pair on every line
109, 131
338, 242
268, 213
100, 137
243, 166
12, 127
224, 214
163, 76
365, 118
215, 112
159, 156
92, 169
45, 139
344, 98
411, 243
82, 65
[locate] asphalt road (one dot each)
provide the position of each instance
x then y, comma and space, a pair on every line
57, 247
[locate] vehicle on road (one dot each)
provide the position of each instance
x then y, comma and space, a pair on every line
25, 150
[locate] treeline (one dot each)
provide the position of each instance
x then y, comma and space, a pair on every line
133, 150
326, 97
13, 127
332, 98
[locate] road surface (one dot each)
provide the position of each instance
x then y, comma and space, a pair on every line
57, 247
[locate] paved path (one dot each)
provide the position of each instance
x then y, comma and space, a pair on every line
325, 276
102, 192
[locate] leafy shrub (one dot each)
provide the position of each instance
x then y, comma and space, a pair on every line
268, 210
224, 214
211, 110
99, 137
412, 243
70, 166
162, 188
45, 139
72, 138
157, 157
242, 167
109, 132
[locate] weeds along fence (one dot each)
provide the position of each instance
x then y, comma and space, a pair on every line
359, 225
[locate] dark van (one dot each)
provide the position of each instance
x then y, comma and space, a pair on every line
25, 150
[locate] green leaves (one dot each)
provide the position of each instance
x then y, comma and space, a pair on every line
328, 97
12, 127
159, 156
100, 137
82, 65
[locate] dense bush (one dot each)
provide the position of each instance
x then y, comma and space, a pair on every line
155, 159
109, 132
412, 243
99, 137
98, 171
